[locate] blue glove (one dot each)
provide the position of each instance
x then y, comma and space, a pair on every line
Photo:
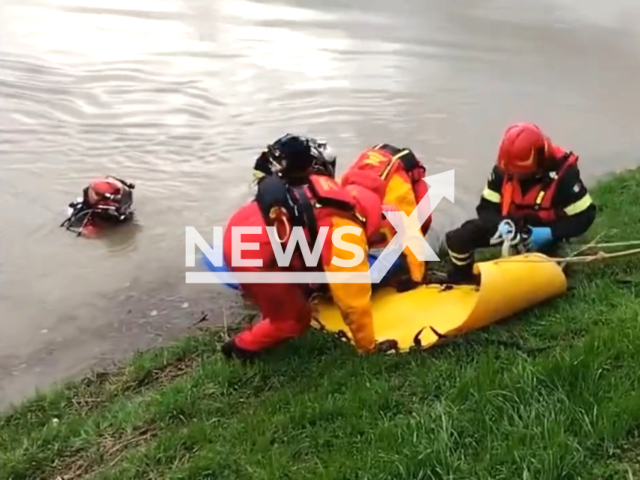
539, 238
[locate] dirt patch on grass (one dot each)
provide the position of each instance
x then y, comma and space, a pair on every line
108, 451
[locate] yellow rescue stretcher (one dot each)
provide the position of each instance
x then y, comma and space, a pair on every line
425, 316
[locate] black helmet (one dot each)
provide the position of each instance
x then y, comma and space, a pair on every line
294, 155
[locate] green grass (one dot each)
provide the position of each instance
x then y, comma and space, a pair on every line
552, 394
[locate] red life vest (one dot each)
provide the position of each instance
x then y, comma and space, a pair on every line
384, 160
323, 196
381, 163
537, 204
325, 191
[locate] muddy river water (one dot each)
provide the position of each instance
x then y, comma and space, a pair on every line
178, 96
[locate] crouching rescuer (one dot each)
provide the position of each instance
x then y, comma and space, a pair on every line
318, 206
534, 198
402, 175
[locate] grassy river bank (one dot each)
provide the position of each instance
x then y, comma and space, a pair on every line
552, 394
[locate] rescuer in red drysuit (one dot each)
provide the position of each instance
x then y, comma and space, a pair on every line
536, 190
314, 200
105, 202
403, 176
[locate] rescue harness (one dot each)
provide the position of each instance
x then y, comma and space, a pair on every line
287, 206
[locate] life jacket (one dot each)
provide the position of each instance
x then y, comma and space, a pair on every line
536, 206
381, 163
384, 160
285, 207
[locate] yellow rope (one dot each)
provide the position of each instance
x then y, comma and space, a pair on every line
577, 259
612, 244
589, 245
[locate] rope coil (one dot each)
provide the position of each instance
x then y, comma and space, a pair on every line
508, 236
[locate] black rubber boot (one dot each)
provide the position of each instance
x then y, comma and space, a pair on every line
230, 350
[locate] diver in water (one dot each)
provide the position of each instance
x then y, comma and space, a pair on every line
105, 202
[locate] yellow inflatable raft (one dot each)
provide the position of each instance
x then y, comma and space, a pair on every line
422, 317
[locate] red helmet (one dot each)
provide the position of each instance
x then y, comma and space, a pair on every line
523, 149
